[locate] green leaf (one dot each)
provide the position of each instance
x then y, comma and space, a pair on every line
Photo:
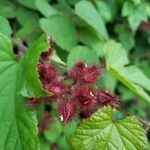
25, 15
87, 12
88, 37
53, 133
107, 81
62, 143
131, 76
18, 127
59, 27
45, 8
28, 3
28, 31
104, 10
135, 13
126, 94
7, 9
44, 145
55, 58
127, 8
103, 131
82, 53
5, 27
115, 55
31, 85
125, 36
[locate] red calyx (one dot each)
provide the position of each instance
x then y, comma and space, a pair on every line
56, 88
47, 72
67, 111
80, 72
90, 74
105, 97
85, 96
77, 71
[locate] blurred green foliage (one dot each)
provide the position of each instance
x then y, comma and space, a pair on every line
81, 29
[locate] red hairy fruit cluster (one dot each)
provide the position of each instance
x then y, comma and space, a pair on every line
76, 98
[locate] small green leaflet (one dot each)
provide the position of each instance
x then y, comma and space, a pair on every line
18, 127
131, 76
102, 131
31, 85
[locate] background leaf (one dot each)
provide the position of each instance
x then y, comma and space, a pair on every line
25, 15
136, 13
28, 3
81, 53
4, 26
7, 9
59, 27
86, 11
45, 8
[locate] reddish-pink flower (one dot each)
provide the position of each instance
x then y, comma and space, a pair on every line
67, 111
104, 97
